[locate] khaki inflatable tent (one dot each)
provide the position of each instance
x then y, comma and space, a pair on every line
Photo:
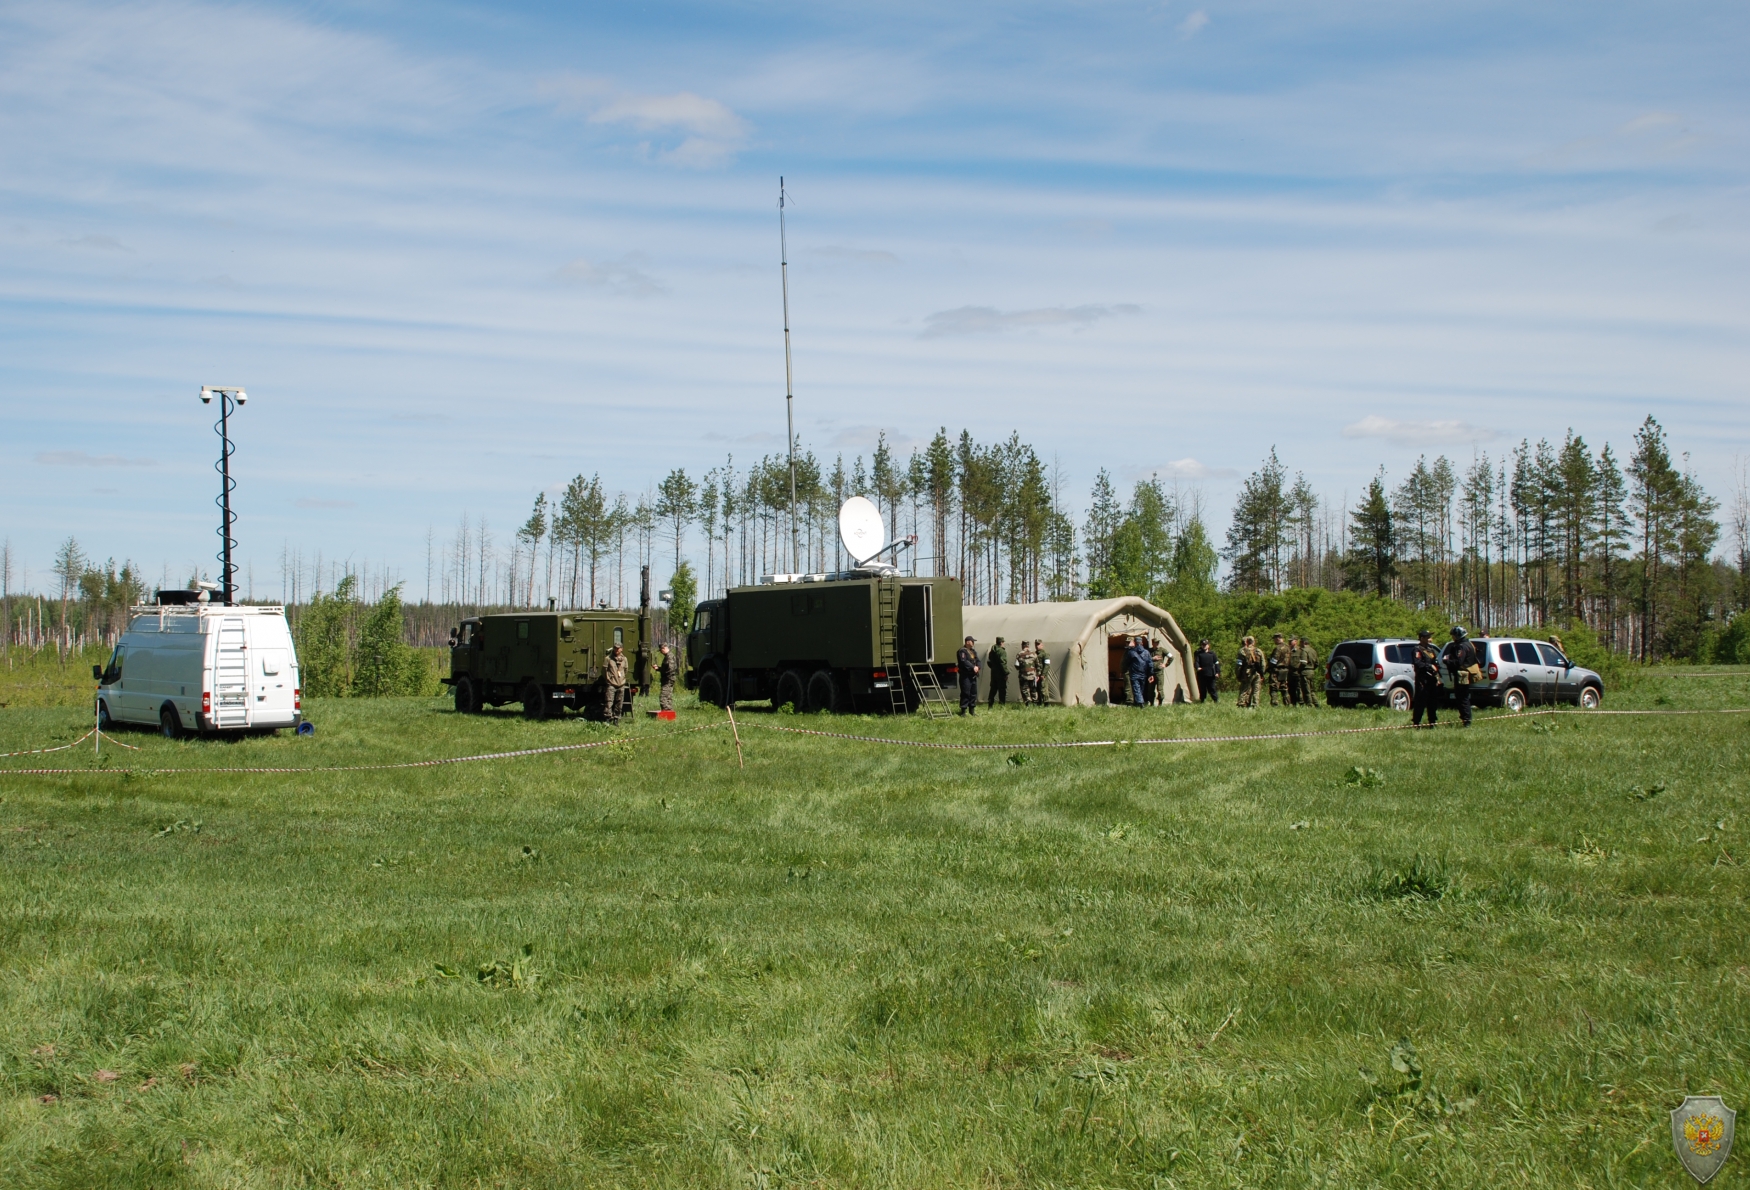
1085, 641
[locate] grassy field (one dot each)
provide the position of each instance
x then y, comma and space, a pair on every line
1485, 958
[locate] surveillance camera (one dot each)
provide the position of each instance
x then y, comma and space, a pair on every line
206, 395
242, 397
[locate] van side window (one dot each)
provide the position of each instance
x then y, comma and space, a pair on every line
1527, 653
113, 672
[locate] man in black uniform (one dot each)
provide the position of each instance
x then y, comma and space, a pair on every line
1425, 661
1461, 658
998, 660
966, 663
1208, 668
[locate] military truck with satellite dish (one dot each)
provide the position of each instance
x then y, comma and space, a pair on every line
549, 660
864, 639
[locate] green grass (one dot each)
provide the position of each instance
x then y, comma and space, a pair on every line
1484, 958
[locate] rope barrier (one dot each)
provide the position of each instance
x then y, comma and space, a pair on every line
64, 747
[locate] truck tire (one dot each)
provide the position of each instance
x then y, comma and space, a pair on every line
169, 722
467, 697
825, 692
535, 701
790, 691
711, 688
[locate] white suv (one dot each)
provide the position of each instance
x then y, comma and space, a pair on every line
1518, 672
1373, 672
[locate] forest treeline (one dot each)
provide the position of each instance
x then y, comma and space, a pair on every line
1627, 546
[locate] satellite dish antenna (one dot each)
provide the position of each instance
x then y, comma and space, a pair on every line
861, 529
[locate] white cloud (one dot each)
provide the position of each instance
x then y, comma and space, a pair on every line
854, 255
623, 276
78, 458
98, 243
1192, 25
1649, 121
1189, 469
710, 134
1418, 433
988, 320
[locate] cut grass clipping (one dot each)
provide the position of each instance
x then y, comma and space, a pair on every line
1468, 958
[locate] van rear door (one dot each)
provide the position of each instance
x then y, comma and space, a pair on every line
231, 675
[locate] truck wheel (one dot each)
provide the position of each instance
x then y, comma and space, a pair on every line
534, 701
711, 688
169, 723
467, 697
824, 692
789, 691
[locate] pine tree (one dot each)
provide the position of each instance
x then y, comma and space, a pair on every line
1259, 531
1099, 537
1373, 541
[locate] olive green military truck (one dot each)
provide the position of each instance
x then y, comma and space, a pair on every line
547, 660
848, 642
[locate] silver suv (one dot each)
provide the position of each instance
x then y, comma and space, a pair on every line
1518, 672
1373, 672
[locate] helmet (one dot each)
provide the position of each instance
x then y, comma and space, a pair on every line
1458, 632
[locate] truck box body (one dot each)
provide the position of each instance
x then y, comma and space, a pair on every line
208, 667
862, 631
496, 659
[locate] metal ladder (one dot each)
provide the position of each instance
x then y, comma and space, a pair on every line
932, 698
887, 640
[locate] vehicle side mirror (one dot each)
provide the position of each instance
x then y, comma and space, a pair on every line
97, 672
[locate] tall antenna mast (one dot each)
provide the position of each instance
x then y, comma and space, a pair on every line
789, 395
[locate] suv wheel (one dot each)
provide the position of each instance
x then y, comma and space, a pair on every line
1590, 697
1400, 698
1514, 699
1342, 671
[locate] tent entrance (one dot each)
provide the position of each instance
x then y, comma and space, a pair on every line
1117, 689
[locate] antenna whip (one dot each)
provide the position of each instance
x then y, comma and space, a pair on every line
789, 395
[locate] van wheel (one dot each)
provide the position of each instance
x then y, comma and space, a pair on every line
534, 701
467, 697
1400, 698
824, 693
789, 691
169, 723
1514, 699
711, 688
1590, 697
105, 723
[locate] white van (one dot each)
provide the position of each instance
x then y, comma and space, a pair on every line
202, 667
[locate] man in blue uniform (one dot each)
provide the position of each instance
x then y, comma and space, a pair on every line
1138, 666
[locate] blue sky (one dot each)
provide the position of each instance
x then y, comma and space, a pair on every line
460, 253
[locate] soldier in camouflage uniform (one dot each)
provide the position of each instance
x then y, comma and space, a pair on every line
667, 668
1306, 672
614, 670
1041, 675
1027, 671
1162, 659
1276, 665
1250, 665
